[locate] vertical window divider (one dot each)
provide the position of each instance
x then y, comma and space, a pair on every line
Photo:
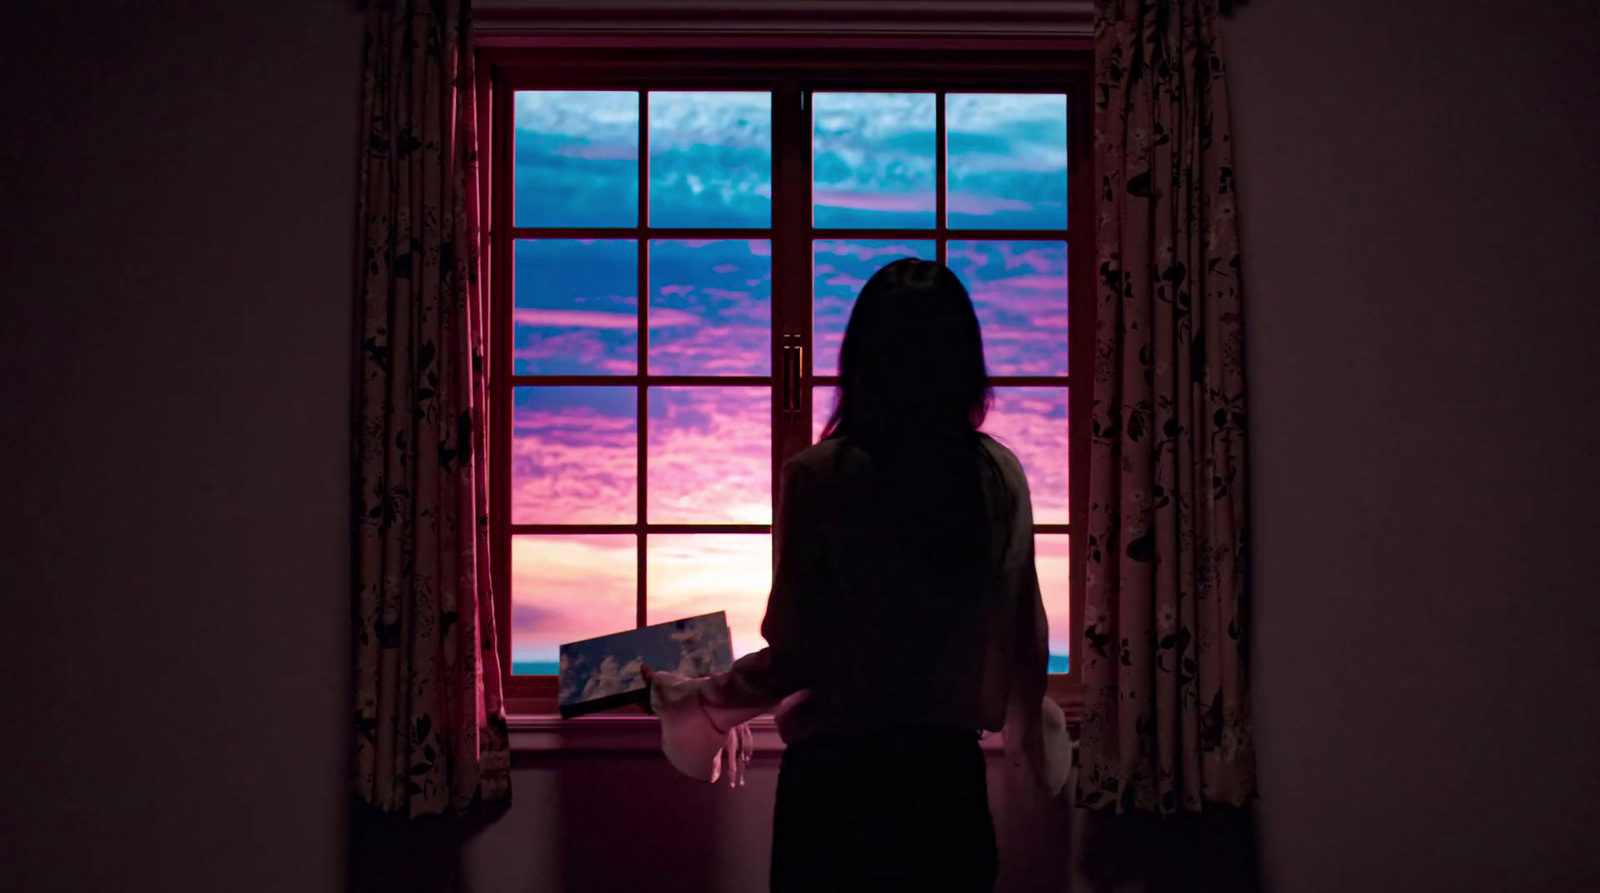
941, 233
791, 318
642, 388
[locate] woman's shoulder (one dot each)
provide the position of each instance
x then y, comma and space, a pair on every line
824, 460
815, 457
1008, 463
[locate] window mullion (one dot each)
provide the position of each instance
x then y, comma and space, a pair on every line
642, 393
791, 289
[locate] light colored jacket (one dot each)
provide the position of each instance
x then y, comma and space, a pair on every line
851, 649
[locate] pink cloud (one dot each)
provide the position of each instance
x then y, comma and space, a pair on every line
597, 151
874, 201
1034, 423
1056, 284
568, 588
580, 348
979, 203
587, 319
710, 455
572, 466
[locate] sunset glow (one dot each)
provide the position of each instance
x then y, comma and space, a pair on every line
709, 309
1019, 290
574, 455
697, 573
710, 455
566, 588
1034, 423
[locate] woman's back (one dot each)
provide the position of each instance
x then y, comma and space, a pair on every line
904, 632
904, 615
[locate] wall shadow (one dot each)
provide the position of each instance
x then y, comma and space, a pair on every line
1211, 852
629, 820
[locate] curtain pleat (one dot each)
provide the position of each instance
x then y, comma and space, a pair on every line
1166, 724
431, 731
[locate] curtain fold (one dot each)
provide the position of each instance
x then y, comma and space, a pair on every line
1167, 725
431, 734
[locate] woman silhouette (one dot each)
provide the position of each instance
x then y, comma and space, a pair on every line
904, 617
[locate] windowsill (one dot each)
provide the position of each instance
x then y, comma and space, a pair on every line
641, 733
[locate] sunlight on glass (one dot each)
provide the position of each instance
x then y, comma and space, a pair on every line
710, 159
711, 307
689, 574
577, 158
577, 309
873, 160
573, 455
1052, 557
1019, 290
1034, 423
566, 588
838, 270
1006, 160
710, 455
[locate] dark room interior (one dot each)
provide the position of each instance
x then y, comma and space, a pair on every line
1419, 215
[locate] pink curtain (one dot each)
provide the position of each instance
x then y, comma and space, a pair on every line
1166, 724
431, 730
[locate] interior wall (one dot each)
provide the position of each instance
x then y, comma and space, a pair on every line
177, 185
628, 822
174, 332
1419, 187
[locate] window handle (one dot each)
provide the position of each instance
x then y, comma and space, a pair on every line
793, 366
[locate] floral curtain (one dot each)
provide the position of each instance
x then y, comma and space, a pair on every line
1166, 724
431, 731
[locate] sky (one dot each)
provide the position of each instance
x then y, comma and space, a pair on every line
708, 306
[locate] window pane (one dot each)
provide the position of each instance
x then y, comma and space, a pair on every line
839, 268
1034, 423
1051, 556
710, 159
1007, 161
711, 307
577, 158
574, 455
710, 456
566, 588
822, 400
697, 573
577, 307
873, 159
1020, 292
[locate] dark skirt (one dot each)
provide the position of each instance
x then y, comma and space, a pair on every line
902, 810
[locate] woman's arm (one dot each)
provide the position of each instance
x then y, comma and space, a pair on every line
1035, 732
699, 715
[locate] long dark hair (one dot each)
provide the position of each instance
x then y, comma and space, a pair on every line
913, 392
911, 367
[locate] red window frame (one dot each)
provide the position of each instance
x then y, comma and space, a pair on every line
946, 66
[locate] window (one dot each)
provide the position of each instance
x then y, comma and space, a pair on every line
676, 244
